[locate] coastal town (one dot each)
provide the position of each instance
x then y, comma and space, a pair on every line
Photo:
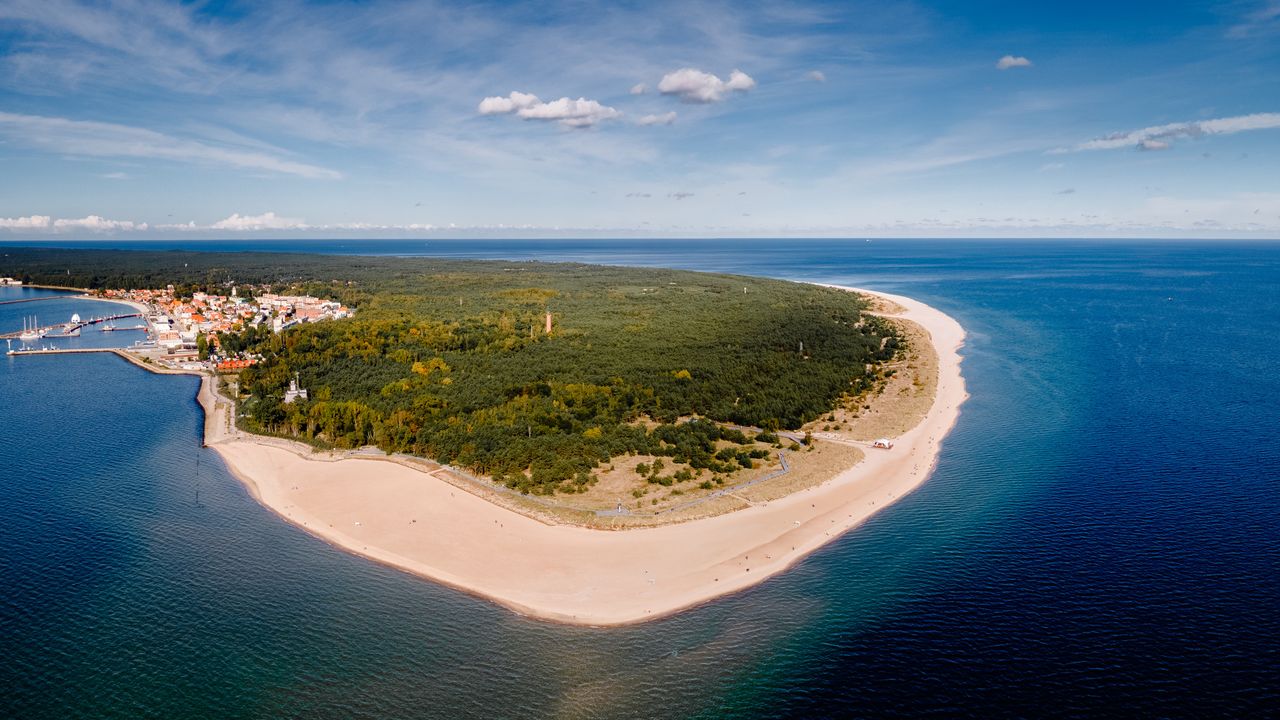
183, 332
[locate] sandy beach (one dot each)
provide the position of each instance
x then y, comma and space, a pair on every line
409, 519
142, 309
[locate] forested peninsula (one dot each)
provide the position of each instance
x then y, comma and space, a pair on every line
538, 375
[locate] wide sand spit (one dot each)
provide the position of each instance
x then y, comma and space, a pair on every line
408, 519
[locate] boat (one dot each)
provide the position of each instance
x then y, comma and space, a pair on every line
30, 330
69, 330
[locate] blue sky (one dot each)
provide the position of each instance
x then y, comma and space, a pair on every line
386, 119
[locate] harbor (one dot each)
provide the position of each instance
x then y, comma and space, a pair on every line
25, 341
32, 330
172, 328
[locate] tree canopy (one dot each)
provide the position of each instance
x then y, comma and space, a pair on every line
450, 359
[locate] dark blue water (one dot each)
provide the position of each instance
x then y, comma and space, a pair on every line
1101, 537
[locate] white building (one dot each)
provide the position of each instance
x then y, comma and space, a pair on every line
167, 338
294, 392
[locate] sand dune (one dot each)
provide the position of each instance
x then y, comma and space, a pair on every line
408, 519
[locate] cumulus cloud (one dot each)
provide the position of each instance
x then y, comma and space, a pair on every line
663, 119
817, 76
265, 221
30, 222
1161, 137
567, 111
90, 223
96, 223
696, 86
98, 139
269, 221
639, 89
511, 103
573, 113
1010, 61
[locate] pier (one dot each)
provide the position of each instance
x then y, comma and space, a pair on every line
150, 363
67, 328
63, 351
34, 299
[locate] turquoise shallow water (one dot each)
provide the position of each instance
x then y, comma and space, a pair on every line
1100, 536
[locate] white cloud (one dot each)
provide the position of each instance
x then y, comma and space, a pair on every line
116, 176
31, 222
96, 223
817, 76
573, 113
639, 89
664, 119
92, 223
1010, 61
511, 103
270, 221
739, 80
568, 112
1160, 137
697, 86
265, 221
98, 139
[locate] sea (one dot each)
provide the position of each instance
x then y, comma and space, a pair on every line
1100, 538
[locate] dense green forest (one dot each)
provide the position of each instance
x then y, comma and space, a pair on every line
450, 360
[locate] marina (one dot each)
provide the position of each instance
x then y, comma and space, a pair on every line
32, 330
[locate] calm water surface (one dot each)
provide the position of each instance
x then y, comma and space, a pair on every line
1101, 535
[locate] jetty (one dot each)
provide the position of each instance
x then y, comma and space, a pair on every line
68, 328
62, 351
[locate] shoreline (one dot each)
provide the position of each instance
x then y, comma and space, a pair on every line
53, 287
406, 518
143, 309
87, 294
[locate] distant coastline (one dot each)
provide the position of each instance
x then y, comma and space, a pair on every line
84, 294
54, 287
